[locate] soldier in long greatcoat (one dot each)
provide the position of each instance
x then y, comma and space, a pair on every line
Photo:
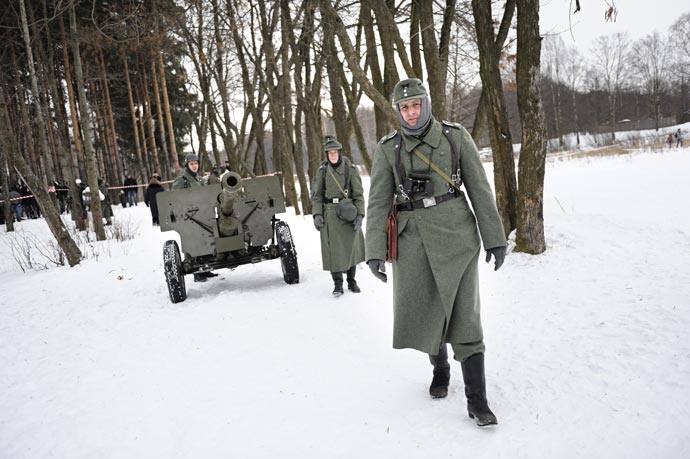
428, 168
342, 241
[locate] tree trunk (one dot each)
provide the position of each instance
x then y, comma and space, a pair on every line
23, 112
436, 62
57, 227
334, 87
5, 185
499, 129
288, 37
135, 128
149, 121
575, 117
110, 122
223, 90
530, 230
45, 155
64, 154
415, 46
90, 155
159, 112
481, 115
382, 124
77, 157
145, 160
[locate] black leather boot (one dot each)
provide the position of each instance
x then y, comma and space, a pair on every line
351, 282
441, 379
475, 390
338, 282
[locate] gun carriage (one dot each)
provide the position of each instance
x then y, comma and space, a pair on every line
225, 225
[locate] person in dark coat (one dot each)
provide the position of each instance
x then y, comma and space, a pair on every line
342, 240
131, 190
152, 190
427, 170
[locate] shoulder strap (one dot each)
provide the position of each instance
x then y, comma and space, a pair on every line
454, 154
397, 146
323, 182
346, 165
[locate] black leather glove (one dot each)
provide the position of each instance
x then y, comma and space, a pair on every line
378, 269
357, 224
499, 254
318, 222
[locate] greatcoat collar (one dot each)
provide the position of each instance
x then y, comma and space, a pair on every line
432, 137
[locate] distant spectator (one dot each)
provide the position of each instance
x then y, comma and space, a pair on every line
62, 194
16, 203
105, 201
227, 166
81, 187
669, 140
122, 195
214, 176
152, 190
29, 204
679, 138
131, 183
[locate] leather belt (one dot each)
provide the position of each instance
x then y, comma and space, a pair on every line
426, 202
333, 200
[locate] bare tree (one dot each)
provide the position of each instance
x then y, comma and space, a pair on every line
572, 71
650, 58
552, 63
499, 129
610, 62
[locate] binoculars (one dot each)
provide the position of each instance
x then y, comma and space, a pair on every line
418, 183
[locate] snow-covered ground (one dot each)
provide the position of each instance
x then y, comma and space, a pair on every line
588, 353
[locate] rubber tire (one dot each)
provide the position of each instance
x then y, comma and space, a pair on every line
172, 263
288, 254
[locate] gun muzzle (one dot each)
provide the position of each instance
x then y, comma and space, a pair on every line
231, 182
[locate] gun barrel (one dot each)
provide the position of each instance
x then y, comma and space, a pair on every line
231, 184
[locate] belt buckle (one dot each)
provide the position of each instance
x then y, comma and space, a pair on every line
336, 200
429, 202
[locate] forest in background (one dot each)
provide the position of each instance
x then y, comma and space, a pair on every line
100, 88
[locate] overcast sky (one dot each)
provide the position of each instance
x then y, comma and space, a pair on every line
637, 17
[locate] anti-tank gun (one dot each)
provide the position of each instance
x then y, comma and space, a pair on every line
225, 225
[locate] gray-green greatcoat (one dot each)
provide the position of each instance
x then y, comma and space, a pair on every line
186, 180
341, 246
435, 277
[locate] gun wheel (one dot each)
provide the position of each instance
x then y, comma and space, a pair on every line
172, 263
288, 254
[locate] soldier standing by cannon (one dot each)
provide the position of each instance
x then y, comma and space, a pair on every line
189, 179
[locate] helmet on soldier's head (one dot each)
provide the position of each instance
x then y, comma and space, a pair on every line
190, 157
411, 88
331, 143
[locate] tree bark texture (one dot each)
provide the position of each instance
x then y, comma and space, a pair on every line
89, 153
499, 129
530, 230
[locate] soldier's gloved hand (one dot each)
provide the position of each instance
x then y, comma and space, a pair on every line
378, 269
357, 224
499, 254
318, 222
